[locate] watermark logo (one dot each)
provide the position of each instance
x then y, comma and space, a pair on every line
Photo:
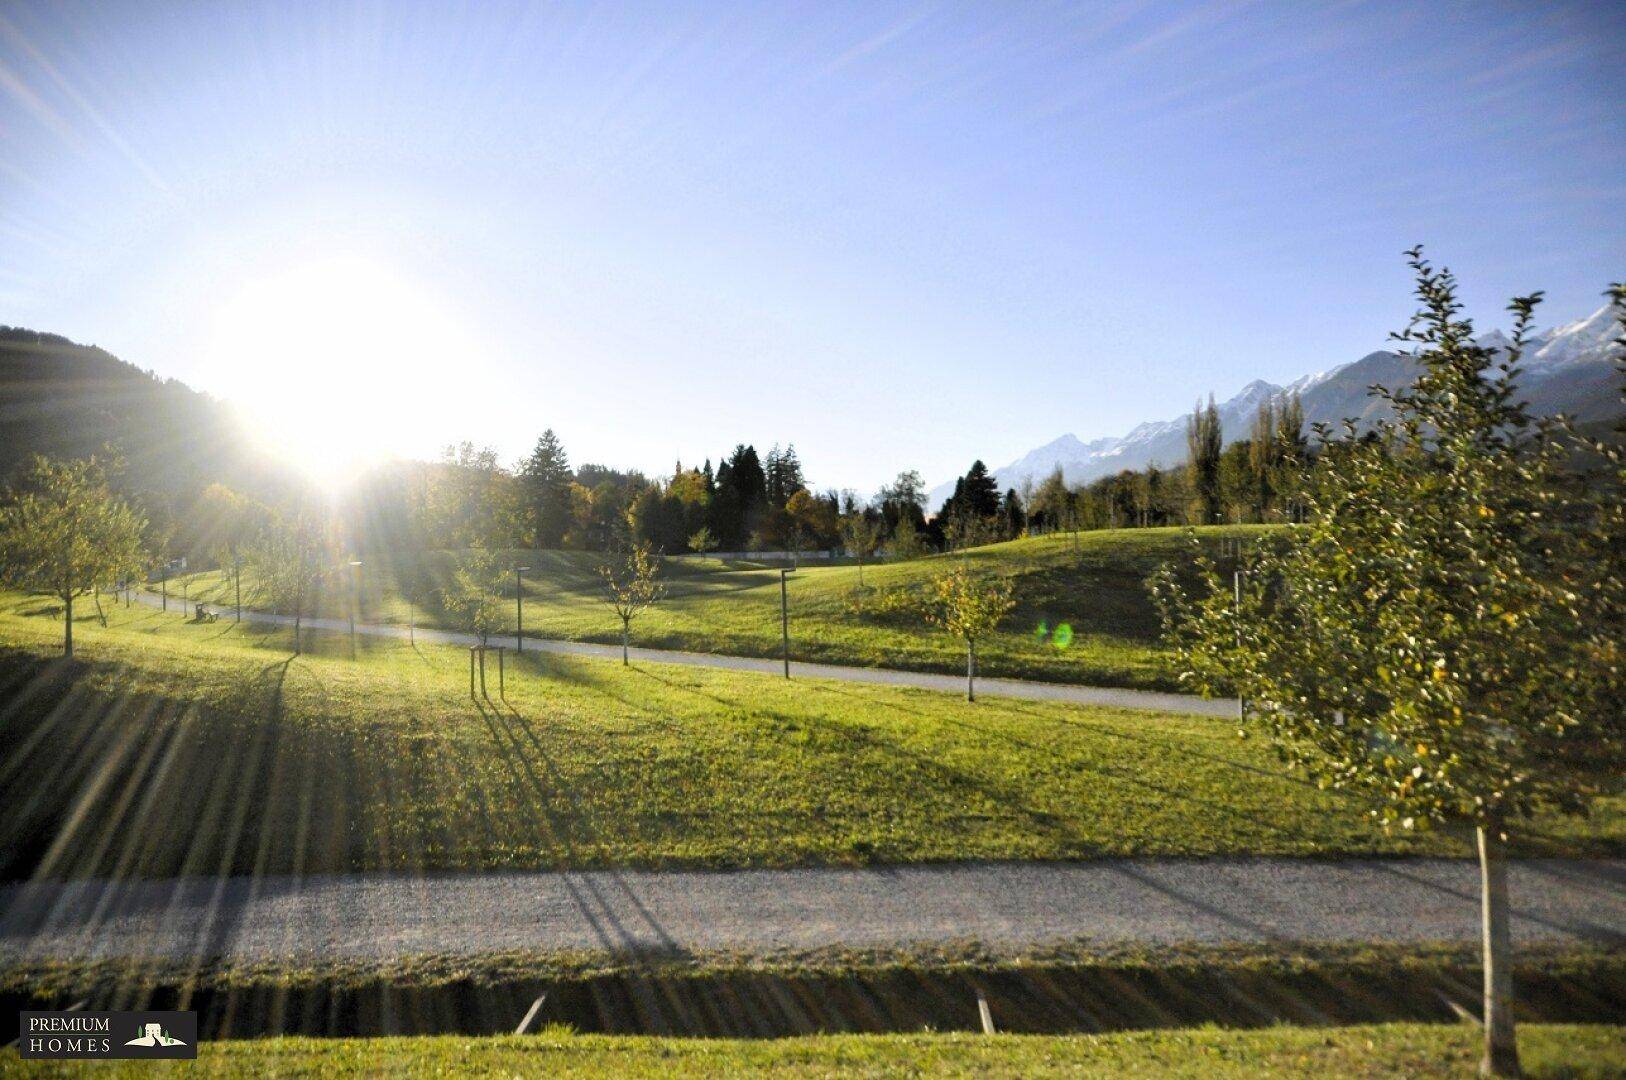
108, 1035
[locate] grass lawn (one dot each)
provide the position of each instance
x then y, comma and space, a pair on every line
1412, 1050
253, 761
1095, 583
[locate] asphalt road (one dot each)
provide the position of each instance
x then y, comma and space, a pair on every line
1012, 688
1108, 902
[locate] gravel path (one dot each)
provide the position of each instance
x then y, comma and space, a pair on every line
1141, 901
1013, 688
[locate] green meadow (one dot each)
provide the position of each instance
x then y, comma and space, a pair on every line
319, 763
1093, 583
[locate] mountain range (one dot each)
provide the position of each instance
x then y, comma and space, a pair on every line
1565, 369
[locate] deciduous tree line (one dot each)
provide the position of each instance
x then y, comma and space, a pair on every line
1253, 480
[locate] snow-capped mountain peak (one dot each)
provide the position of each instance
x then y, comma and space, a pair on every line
1566, 368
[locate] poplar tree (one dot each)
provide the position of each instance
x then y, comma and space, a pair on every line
1203, 439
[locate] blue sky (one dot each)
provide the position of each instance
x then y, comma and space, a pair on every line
899, 235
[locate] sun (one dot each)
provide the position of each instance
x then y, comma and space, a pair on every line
340, 363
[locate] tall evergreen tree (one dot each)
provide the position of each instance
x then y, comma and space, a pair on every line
546, 478
1015, 517
981, 493
783, 475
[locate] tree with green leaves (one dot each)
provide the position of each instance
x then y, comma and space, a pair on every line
701, 541
63, 532
969, 606
1203, 444
1291, 454
473, 595
289, 559
225, 524
861, 536
631, 586
1264, 461
1442, 634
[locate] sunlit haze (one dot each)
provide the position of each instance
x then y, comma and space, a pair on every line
897, 235
337, 360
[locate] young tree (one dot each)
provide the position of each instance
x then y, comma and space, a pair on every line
66, 534
289, 558
906, 540
631, 586
969, 607
702, 541
473, 597
226, 524
1443, 631
1203, 441
860, 535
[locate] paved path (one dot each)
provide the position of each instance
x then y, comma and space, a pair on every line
1144, 901
1014, 688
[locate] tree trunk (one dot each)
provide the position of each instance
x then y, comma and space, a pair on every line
296, 635
626, 632
970, 670
1501, 1043
67, 628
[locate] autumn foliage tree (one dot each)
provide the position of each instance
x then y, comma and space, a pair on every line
1443, 632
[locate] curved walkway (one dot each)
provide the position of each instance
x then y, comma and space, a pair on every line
1001, 905
1012, 688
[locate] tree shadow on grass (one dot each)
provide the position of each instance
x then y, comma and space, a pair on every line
864, 740
1164, 792
521, 745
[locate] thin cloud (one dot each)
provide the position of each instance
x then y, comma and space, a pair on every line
879, 41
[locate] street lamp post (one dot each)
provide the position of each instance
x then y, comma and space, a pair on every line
355, 601
519, 608
784, 619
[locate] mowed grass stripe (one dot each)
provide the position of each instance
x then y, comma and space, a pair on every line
173, 747
1574, 1051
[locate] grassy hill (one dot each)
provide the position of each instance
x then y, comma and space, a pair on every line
62, 399
1095, 583
174, 747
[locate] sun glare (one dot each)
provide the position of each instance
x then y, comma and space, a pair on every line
340, 363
